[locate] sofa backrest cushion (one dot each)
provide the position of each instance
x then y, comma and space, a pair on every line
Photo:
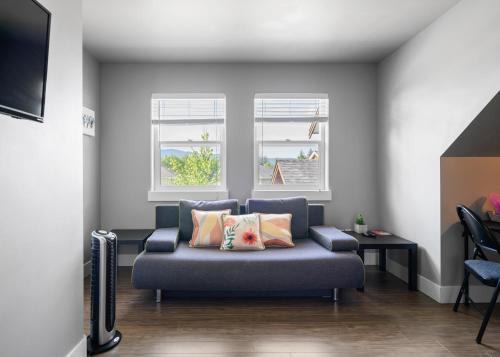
316, 214
167, 216
186, 220
297, 206
315, 217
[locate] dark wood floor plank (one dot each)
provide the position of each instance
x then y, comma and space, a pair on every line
386, 320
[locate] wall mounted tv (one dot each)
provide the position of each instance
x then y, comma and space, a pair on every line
24, 50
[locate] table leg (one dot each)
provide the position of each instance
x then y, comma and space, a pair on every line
412, 268
381, 259
361, 253
466, 257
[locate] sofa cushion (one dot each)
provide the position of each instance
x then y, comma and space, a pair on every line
308, 266
163, 240
186, 220
297, 206
207, 228
333, 239
276, 229
242, 233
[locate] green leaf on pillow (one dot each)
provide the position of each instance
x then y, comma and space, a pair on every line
229, 236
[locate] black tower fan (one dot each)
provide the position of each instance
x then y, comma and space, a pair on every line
103, 335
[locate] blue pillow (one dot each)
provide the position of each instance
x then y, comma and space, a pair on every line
297, 206
186, 220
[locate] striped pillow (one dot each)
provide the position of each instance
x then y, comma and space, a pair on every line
207, 228
276, 230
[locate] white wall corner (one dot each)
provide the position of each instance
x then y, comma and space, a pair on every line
80, 350
424, 285
86, 268
371, 257
126, 260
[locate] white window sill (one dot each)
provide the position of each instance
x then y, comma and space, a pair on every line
162, 196
312, 195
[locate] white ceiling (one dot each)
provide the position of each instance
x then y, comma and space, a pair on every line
253, 30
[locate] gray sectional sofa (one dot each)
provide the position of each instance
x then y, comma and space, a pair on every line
323, 259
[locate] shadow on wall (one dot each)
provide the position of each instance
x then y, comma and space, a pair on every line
453, 241
470, 171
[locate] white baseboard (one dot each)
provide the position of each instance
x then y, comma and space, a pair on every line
80, 350
425, 285
444, 294
86, 268
478, 293
371, 257
126, 260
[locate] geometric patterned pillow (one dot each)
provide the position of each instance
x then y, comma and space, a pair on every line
242, 232
275, 230
207, 228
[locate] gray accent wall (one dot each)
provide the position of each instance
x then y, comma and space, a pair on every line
429, 91
126, 147
480, 138
41, 209
91, 155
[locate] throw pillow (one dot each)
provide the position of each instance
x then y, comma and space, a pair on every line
242, 233
207, 228
275, 230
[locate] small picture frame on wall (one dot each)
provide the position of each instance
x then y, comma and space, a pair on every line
88, 121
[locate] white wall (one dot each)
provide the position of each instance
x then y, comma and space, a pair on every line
41, 299
91, 156
428, 92
125, 101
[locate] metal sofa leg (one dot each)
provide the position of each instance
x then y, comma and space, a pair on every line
158, 296
335, 294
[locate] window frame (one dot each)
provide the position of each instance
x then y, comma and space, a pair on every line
318, 192
159, 192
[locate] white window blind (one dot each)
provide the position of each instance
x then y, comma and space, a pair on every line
283, 109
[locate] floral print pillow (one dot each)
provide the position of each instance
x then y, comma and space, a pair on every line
242, 233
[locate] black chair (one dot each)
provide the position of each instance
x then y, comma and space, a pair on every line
485, 271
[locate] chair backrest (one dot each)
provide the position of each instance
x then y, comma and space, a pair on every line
476, 230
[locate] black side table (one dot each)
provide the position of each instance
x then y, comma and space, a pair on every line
136, 237
492, 225
382, 243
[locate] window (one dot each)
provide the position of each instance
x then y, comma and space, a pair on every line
291, 144
188, 146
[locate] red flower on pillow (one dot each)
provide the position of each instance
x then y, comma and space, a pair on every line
249, 237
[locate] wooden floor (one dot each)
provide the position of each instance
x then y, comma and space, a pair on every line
385, 320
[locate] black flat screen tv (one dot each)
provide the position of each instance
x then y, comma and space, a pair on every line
24, 51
